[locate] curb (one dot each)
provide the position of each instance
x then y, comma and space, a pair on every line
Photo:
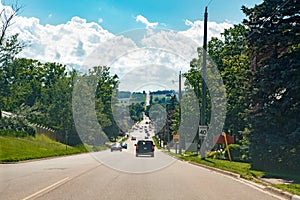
295, 197
273, 190
279, 192
217, 170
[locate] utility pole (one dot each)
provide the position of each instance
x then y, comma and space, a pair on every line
179, 100
203, 109
179, 95
203, 116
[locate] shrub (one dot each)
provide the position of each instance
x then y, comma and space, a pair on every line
235, 152
15, 127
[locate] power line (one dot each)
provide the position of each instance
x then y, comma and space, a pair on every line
267, 19
209, 3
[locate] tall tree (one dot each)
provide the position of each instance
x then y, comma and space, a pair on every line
7, 14
274, 40
9, 48
8, 51
232, 59
107, 85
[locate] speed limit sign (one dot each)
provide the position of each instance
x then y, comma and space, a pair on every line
203, 131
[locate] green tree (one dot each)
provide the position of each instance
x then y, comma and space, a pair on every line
274, 41
106, 98
136, 112
9, 48
232, 59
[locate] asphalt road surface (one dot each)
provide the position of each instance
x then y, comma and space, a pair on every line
120, 175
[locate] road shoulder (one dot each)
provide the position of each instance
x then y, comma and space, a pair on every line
258, 183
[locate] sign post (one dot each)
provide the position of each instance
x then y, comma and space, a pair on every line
227, 148
176, 140
202, 134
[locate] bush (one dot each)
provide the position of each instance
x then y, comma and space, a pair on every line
13, 133
235, 152
15, 127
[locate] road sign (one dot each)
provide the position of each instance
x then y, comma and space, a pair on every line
203, 131
176, 138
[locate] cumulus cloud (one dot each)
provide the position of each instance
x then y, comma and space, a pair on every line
145, 21
196, 30
68, 43
79, 43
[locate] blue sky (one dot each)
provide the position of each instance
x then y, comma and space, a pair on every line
119, 15
69, 31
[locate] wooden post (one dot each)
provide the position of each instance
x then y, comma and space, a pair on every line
226, 143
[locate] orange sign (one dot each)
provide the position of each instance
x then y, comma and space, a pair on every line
176, 137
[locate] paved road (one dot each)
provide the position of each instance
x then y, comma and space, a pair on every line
119, 175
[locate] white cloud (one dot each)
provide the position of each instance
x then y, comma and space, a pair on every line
188, 22
145, 21
100, 20
68, 43
74, 43
196, 30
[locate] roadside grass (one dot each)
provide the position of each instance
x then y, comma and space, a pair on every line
91, 148
291, 188
15, 149
244, 170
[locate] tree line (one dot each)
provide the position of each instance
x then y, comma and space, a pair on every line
259, 64
41, 93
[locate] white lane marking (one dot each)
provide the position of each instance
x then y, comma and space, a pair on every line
47, 188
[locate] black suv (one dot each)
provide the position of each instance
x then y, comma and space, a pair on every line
144, 147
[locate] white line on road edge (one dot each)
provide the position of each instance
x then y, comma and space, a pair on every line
47, 188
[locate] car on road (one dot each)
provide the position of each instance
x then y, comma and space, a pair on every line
116, 147
124, 145
133, 138
144, 147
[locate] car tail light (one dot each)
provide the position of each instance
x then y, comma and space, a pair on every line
152, 147
137, 147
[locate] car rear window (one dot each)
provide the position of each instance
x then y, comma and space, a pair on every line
145, 143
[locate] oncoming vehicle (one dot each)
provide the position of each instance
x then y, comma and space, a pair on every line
124, 145
116, 147
144, 147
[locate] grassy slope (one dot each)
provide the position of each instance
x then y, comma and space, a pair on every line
24, 148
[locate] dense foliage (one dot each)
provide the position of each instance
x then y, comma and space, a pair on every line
259, 64
274, 42
41, 93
